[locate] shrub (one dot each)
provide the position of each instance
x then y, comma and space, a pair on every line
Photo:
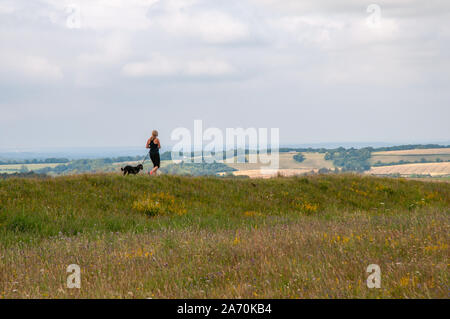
299, 157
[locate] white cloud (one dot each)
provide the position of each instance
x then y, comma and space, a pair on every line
7, 7
185, 20
160, 65
109, 49
101, 14
156, 66
307, 29
13, 63
314, 60
189, 18
208, 67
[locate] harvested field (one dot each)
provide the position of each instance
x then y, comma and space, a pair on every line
430, 151
433, 169
408, 158
287, 162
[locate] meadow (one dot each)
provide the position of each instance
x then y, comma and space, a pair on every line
206, 237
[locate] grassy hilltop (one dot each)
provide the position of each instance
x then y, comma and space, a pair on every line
195, 237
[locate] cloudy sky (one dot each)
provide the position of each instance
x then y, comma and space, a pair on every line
107, 72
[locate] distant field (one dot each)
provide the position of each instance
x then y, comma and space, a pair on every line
414, 155
11, 168
288, 166
433, 169
430, 151
258, 173
316, 160
409, 158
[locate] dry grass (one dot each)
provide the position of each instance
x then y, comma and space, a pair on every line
308, 258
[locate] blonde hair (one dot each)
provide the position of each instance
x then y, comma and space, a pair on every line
154, 135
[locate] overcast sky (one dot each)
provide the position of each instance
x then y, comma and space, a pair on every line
105, 73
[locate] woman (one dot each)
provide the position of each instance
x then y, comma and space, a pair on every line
154, 145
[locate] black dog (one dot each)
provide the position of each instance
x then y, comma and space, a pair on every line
131, 169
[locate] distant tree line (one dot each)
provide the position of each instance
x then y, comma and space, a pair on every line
372, 149
35, 161
409, 147
54, 160
82, 166
120, 159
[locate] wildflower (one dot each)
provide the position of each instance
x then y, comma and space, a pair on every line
160, 204
147, 206
404, 281
251, 213
307, 208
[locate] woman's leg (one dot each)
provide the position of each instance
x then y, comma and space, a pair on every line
156, 162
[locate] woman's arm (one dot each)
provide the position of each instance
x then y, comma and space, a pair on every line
158, 142
148, 144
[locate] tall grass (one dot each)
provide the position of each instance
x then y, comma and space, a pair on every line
172, 236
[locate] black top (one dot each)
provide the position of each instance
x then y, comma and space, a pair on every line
153, 147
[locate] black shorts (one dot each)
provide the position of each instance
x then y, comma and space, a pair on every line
155, 159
